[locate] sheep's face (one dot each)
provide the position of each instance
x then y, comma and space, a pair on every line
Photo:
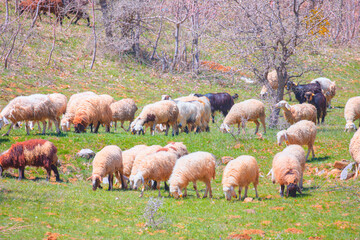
138, 180
229, 193
31, 125
283, 104
138, 128
350, 127
80, 127
131, 180
280, 136
224, 128
65, 125
96, 180
292, 188
175, 192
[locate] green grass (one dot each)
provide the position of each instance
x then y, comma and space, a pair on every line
34, 208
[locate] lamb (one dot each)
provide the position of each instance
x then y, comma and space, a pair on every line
240, 113
300, 90
36, 107
92, 110
129, 158
297, 112
352, 113
34, 152
107, 162
71, 107
287, 169
328, 88
354, 149
123, 110
162, 112
301, 133
319, 101
240, 172
197, 166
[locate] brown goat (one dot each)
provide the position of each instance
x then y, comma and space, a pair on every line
53, 6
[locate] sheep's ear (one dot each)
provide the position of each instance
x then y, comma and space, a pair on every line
287, 106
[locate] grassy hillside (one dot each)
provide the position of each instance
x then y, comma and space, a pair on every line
34, 208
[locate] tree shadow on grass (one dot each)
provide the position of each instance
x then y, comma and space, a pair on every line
3, 140
318, 159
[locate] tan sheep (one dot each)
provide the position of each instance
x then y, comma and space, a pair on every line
301, 133
36, 107
123, 110
178, 148
352, 113
287, 169
107, 162
354, 149
92, 110
162, 112
71, 107
240, 172
129, 158
274, 84
298, 112
60, 101
240, 113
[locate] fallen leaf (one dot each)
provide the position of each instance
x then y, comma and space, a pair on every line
254, 231
239, 236
294, 230
52, 236
232, 216
17, 219
278, 208
265, 222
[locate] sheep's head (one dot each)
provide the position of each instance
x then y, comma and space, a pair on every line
138, 180
350, 127
224, 128
96, 180
175, 191
65, 125
138, 127
281, 136
165, 97
235, 96
3, 122
283, 104
229, 192
292, 188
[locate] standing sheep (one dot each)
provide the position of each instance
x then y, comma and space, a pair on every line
354, 149
240, 172
328, 88
352, 113
162, 112
297, 112
129, 158
107, 162
34, 152
197, 166
287, 169
240, 113
123, 110
301, 133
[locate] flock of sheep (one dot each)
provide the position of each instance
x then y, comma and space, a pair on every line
150, 165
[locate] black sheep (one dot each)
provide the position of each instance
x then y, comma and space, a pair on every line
300, 90
319, 101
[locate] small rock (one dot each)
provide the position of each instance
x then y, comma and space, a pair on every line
335, 172
341, 164
346, 172
252, 211
226, 159
86, 153
248, 199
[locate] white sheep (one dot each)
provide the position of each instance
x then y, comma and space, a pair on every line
328, 88
240, 113
36, 107
189, 115
288, 168
352, 113
60, 101
123, 110
298, 112
129, 158
354, 149
107, 162
162, 112
240, 172
301, 133
197, 166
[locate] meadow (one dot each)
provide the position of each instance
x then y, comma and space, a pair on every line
35, 209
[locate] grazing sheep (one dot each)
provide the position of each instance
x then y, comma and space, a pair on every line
34, 152
297, 112
36, 107
197, 166
288, 168
92, 110
60, 101
354, 149
300, 90
301, 133
71, 107
107, 162
240, 113
188, 117
319, 101
352, 113
123, 110
162, 112
240, 172
129, 158
328, 88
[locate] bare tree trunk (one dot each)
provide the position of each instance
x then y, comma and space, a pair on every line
105, 12
137, 37
12, 47
7, 12
157, 39
176, 52
53, 44
94, 32
195, 40
277, 96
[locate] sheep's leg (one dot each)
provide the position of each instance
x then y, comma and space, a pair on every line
240, 188
122, 125
312, 151
282, 190
166, 187
238, 131
243, 127
48, 171
208, 190
246, 189
307, 155
97, 127
50, 125
129, 126
196, 190
38, 123
57, 125
111, 179
55, 170
7, 133
27, 128
256, 192
91, 127
152, 131
185, 192
213, 117
167, 130
158, 187
21, 173
44, 127
122, 180
262, 120
257, 126
301, 180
